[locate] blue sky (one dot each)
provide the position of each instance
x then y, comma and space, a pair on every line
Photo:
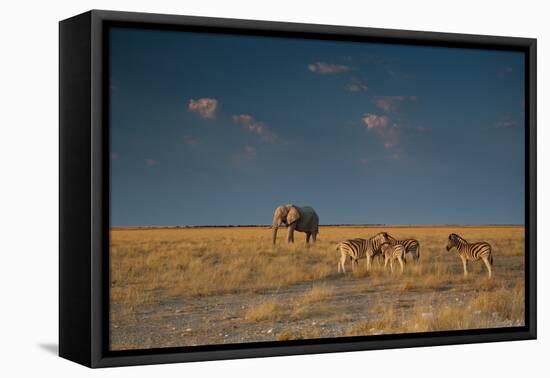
220, 129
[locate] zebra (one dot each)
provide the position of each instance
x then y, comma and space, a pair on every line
471, 251
357, 249
391, 252
412, 246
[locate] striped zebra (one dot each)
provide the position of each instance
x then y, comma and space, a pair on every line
392, 252
472, 252
357, 249
412, 246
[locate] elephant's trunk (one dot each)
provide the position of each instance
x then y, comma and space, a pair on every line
275, 234
275, 225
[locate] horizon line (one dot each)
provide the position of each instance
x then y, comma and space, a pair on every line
324, 225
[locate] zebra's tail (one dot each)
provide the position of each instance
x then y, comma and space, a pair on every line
418, 253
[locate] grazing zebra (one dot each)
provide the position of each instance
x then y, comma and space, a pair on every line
357, 249
392, 252
471, 251
412, 246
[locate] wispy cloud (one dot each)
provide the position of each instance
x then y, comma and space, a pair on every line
151, 162
373, 121
247, 122
388, 132
356, 85
205, 107
391, 133
244, 155
392, 103
249, 152
323, 68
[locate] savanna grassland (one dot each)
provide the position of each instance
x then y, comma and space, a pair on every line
196, 286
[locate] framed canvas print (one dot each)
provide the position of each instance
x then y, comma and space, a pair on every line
233, 188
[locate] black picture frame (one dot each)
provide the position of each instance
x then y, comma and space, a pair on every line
84, 189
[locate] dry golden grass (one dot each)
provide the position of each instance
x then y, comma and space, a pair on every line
269, 310
150, 264
501, 307
317, 293
150, 267
302, 334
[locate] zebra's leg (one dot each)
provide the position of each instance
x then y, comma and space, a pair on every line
342, 263
401, 263
386, 260
353, 265
488, 265
369, 261
465, 265
391, 266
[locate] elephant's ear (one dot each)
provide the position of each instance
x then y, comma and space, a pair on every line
293, 214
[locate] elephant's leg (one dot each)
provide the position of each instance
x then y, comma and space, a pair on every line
314, 236
308, 235
291, 229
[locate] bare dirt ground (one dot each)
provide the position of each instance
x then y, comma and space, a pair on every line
147, 312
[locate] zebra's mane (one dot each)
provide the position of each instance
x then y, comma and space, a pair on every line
391, 238
459, 238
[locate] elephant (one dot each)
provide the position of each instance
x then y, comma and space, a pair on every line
303, 219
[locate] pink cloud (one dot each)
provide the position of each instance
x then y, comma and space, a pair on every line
248, 123
356, 85
391, 103
323, 68
373, 121
206, 107
151, 162
389, 133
